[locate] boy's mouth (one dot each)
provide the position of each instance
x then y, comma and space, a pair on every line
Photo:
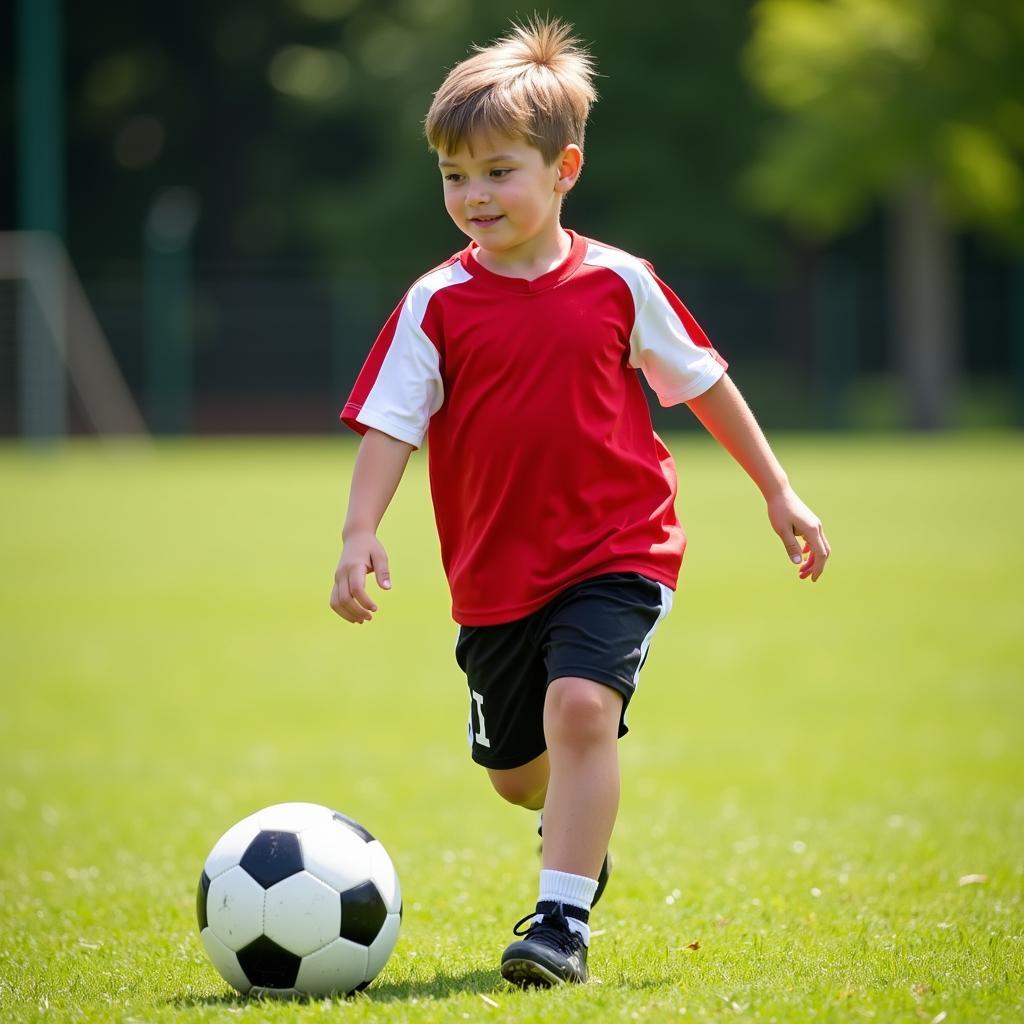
486, 221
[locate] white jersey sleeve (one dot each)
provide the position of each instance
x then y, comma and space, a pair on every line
400, 385
668, 345
666, 342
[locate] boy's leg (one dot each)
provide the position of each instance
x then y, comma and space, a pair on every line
526, 785
581, 725
595, 638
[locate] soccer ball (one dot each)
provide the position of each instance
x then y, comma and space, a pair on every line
298, 899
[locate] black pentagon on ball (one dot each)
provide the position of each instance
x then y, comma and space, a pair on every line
272, 857
354, 825
267, 965
204, 888
362, 913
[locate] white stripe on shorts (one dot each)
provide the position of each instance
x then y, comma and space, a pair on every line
666, 607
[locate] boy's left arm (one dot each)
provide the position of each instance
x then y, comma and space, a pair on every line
727, 417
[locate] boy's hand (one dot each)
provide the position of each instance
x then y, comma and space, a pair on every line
362, 553
792, 519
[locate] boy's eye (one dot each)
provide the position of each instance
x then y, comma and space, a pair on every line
453, 177
500, 172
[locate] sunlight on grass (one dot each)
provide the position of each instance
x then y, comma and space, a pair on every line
811, 775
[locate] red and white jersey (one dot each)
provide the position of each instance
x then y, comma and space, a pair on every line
544, 466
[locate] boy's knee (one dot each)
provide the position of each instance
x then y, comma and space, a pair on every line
525, 786
515, 790
580, 712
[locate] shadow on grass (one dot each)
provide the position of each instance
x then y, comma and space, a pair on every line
441, 986
191, 1002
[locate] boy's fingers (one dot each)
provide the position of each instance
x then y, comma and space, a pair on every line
819, 550
380, 569
808, 567
339, 604
357, 588
792, 543
811, 557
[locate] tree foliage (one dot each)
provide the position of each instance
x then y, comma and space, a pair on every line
876, 94
298, 123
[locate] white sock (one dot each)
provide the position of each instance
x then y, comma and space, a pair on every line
572, 890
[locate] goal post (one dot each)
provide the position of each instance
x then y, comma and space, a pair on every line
50, 286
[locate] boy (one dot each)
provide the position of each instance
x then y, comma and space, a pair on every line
553, 495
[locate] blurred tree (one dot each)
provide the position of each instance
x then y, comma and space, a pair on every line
661, 164
919, 103
675, 123
298, 123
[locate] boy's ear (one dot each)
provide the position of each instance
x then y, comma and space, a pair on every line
570, 163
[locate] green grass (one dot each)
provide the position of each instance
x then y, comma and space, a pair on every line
811, 770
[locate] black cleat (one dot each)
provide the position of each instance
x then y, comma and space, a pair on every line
602, 877
549, 953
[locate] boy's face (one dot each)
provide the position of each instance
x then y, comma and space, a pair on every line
501, 193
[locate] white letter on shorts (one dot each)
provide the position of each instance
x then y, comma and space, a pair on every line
481, 736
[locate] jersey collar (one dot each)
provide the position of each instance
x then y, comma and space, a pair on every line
562, 272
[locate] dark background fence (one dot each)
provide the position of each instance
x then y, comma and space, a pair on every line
768, 181
277, 346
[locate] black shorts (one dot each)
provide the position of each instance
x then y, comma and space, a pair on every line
599, 629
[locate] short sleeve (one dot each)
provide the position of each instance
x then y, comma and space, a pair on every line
668, 345
400, 386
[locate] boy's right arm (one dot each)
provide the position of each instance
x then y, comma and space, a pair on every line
380, 463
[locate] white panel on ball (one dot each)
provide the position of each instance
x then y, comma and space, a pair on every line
382, 871
230, 847
293, 817
339, 967
224, 960
381, 947
335, 854
302, 914
234, 908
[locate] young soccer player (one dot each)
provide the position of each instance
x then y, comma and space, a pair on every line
518, 358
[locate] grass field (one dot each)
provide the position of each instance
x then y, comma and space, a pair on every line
814, 773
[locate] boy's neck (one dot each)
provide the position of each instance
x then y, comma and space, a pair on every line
535, 258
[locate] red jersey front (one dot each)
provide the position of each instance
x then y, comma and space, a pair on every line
544, 466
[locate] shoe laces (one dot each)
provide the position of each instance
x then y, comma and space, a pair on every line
552, 930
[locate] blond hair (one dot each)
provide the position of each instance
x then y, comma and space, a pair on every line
534, 83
